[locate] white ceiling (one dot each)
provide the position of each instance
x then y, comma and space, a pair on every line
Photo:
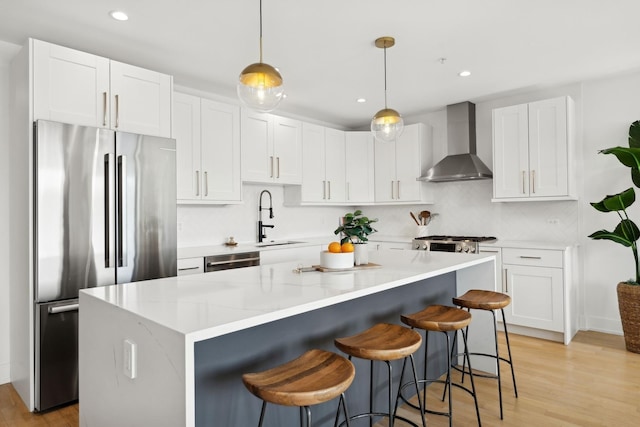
325, 52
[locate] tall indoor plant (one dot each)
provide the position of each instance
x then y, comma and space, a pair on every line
627, 234
356, 227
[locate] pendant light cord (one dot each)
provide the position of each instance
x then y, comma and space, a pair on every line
385, 74
261, 31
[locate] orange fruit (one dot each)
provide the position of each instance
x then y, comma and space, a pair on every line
347, 247
335, 247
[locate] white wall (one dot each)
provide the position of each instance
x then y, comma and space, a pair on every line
6, 53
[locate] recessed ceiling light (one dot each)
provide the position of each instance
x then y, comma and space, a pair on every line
465, 73
118, 15
361, 100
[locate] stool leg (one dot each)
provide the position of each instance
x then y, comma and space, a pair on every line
343, 402
424, 387
264, 406
506, 335
448, 383
370, 391
308, 411
495, 334
473, 385
391, 411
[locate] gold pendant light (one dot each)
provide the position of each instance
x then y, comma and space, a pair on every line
387, 124
260, 86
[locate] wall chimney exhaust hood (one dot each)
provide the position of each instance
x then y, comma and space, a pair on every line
462, 163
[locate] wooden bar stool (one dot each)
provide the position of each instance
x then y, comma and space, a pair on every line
315, 377
490, 301
440, 318
383, 342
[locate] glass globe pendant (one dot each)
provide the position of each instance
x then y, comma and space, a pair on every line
387, 124
260, 86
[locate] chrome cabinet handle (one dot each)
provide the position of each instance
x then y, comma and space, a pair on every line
117, 111
197, 183
533, 181
278, 169
122, 211
104, 108
530, 257
523, 189
329, 192
348, 191
188, 268
206, 183
271, 160
398, 190
324, 190
392, 195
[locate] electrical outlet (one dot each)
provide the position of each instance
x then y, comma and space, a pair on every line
129, 359
554, 221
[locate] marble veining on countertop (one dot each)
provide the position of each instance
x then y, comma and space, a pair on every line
202, 306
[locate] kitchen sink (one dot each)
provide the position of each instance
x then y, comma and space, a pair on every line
280, 243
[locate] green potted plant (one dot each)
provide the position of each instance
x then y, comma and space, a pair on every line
356, 227
627, 234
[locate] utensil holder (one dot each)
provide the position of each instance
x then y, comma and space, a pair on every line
422, 230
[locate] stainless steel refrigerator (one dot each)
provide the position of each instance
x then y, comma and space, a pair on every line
105, 213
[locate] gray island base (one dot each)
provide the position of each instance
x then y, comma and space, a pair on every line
194, 336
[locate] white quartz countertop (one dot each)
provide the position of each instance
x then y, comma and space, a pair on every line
527, 244
203, 306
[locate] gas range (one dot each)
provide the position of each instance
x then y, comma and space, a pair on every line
463, 244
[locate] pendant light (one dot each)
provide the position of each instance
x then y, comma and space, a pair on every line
260, 86
387, 124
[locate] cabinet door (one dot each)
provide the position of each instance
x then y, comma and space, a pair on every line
257, 146
186, 131
537, 299
510, 152
548, 148
408, 158
359, 167
314, 188
140, 100
70, 86
335, 165
287, 150
385, 171
220, 151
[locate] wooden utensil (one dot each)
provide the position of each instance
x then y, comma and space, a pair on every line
414, 218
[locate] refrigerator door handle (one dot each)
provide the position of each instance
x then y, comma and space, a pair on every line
63, 308
122, 211
108, 202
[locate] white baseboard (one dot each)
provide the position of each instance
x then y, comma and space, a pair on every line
5, 376
603, 324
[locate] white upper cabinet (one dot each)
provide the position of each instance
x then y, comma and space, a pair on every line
533, 151
323, 164
398, 165
75, 87
271, 148
359, 167
207, 137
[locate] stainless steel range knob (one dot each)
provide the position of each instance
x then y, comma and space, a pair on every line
458, 248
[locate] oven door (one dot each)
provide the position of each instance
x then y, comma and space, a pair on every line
441, 246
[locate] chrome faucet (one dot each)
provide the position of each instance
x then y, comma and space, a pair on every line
261, 227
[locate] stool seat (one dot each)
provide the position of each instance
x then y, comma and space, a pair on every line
382, 341
315, 377
483, 300
438, 318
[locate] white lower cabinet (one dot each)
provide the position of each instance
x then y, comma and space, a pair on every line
188, 266
538, 282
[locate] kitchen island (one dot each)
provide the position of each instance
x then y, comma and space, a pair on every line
170, 352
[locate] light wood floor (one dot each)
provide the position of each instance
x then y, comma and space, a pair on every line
593, 381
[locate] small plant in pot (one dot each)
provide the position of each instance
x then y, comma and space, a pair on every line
356, 227
627, 234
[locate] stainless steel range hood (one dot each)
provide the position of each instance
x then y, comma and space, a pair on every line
462, 163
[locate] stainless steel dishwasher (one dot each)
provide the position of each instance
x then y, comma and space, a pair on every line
228, 261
